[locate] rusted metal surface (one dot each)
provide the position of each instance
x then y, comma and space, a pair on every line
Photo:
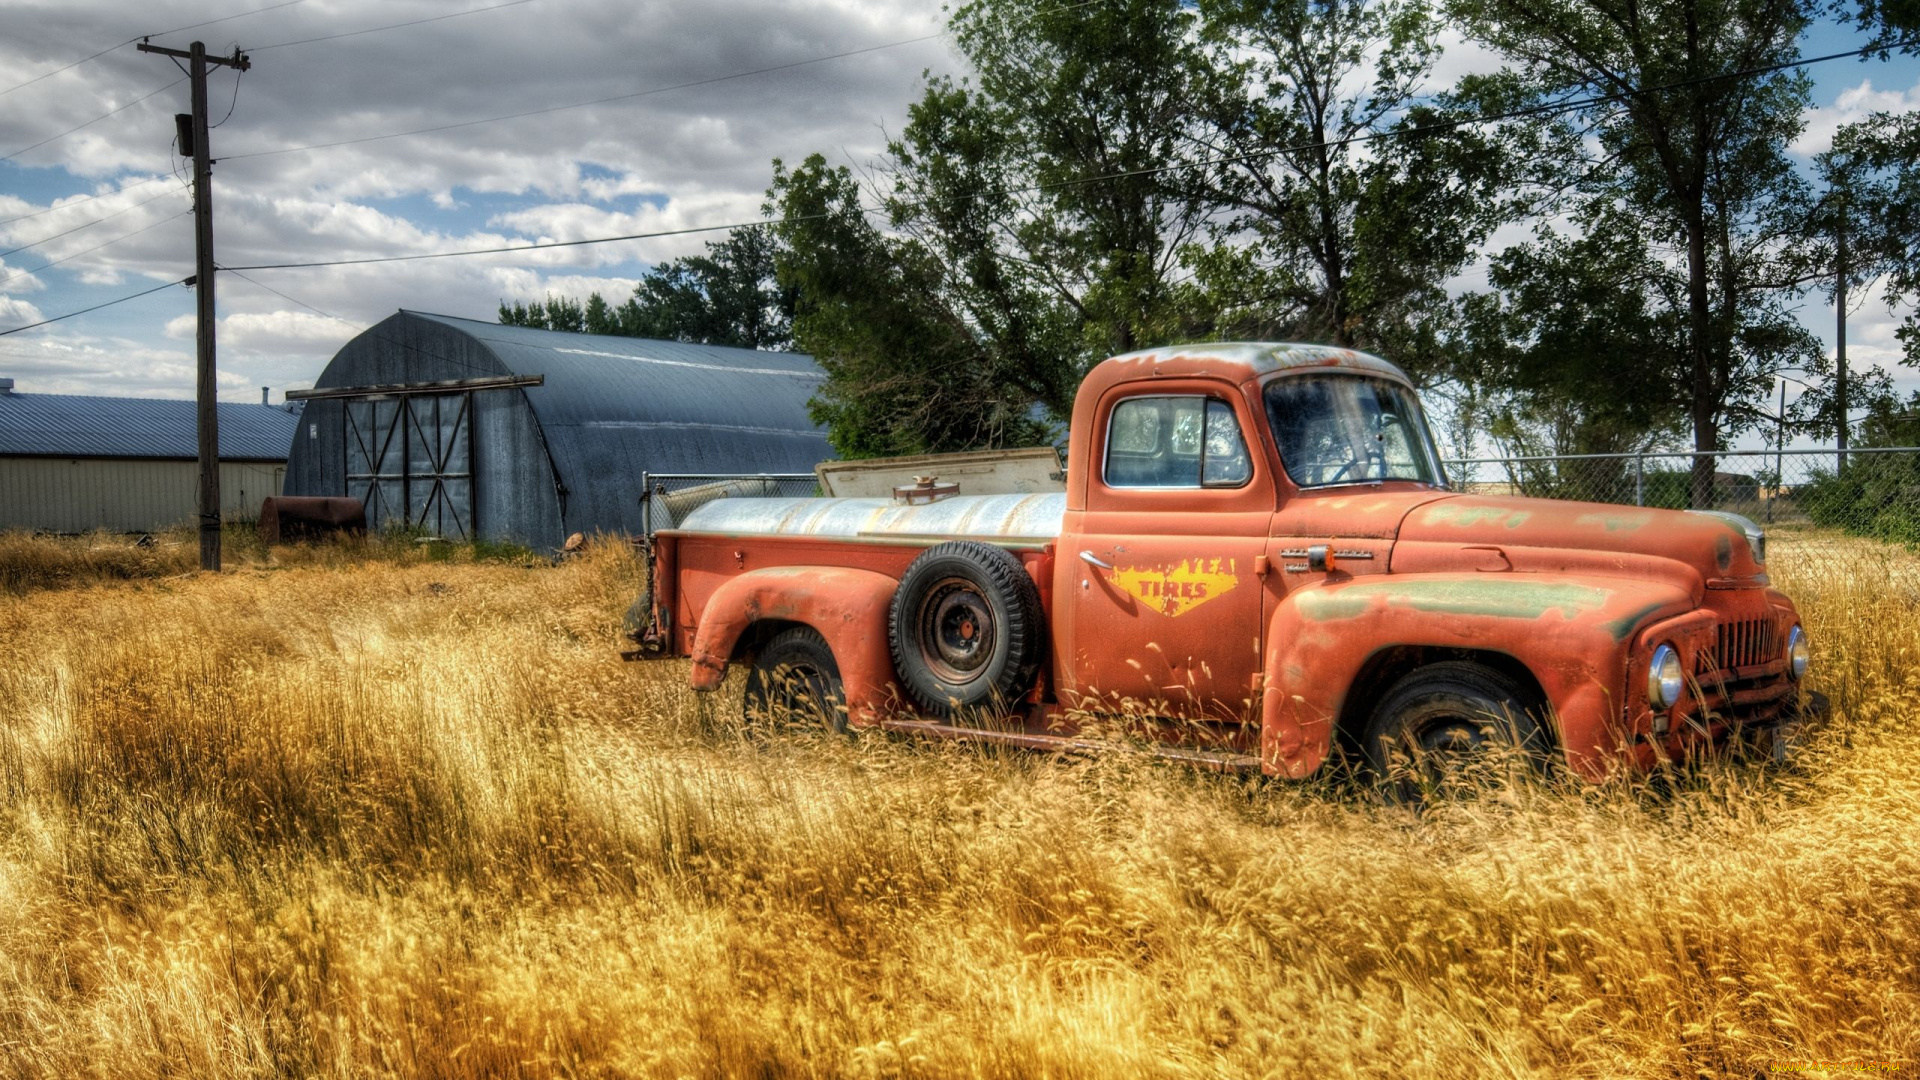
923, 490
669, 507
1257, 619
300, 517
1249, 359
1025, 471
978, 517
837, 601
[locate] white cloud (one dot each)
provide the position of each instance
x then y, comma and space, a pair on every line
1459, 57
1854, 104
665, 160
18, 311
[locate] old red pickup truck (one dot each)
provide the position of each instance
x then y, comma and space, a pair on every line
1257, 563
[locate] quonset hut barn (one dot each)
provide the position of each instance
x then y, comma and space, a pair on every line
475, 430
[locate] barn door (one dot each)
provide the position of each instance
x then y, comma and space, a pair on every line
376, 459
410, 460
439, 464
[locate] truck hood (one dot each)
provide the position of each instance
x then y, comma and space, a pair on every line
1482, 531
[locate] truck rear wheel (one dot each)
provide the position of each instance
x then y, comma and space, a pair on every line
1443, 722
966, 628
795, 680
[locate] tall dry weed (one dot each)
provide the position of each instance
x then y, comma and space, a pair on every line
395, 817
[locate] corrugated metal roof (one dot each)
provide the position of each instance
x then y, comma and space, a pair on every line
613, 406
71, 425
609, 410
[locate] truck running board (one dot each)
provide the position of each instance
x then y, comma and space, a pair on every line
1212, 760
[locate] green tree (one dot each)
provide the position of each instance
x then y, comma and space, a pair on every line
1692, 152
906, 372
1330, 234
729, 296
1872, 175
556, 313
1568, 313
726, 297
1030, 228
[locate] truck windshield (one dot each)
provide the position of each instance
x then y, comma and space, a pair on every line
1349, 429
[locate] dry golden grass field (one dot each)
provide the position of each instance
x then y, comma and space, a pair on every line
348, 812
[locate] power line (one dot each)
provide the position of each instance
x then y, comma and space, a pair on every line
235, 100
512, 247
409, 346
94, 248
236, 88
131, 40
96, 307
389, 26
69, 67
290, 299
88, 225
95, 120
88, 199
1426, 129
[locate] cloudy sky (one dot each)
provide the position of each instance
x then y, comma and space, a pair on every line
307, 171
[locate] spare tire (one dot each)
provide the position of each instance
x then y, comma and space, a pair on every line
966, 629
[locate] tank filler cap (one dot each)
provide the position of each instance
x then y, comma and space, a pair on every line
924, 490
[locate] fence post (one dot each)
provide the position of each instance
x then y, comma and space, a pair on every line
646, 504
1639, 479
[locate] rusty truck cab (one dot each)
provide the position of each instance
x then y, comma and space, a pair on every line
1304, 584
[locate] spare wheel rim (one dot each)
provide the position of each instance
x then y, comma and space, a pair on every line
954, 630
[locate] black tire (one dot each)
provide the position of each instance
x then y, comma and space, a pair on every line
795, 680
1441, 722
966, 629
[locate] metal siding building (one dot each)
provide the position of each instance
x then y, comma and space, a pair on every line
71, 463
474, 428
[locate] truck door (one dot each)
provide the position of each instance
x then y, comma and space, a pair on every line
1158, 595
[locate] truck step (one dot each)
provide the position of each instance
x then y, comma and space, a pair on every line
1213, 760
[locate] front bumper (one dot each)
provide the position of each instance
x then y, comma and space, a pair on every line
1781, 739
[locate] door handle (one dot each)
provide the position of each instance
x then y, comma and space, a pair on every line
1091, 559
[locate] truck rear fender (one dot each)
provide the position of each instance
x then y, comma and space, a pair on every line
1335, 645
847, 606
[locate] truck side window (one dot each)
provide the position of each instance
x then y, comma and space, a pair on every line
1176, 442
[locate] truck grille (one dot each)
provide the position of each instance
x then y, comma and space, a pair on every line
1741, 644
1742, 676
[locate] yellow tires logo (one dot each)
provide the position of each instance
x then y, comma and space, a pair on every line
1176, 590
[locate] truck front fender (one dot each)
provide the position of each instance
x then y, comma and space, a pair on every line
1573, 633
847, 606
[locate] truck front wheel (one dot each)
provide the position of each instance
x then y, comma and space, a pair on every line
795, 680
1442, 723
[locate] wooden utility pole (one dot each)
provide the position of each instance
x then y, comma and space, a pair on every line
205, 387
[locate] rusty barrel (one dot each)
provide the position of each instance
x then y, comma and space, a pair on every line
304, 517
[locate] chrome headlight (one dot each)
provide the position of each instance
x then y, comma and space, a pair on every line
1665, 679
1756, 536
1797, 652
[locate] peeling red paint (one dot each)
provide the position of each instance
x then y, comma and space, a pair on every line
1197, 615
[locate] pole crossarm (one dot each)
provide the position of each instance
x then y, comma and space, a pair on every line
238, 61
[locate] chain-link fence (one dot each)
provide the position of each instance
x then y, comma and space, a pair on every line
1817, 506
670, 497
